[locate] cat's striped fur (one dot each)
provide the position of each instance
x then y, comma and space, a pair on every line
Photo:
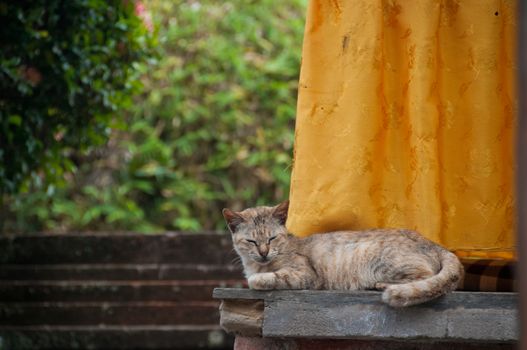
408, 267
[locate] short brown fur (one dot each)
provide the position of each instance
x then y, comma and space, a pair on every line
408, 267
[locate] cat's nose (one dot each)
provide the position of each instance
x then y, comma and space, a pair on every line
263, 252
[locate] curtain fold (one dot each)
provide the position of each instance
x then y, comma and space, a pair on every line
406, 118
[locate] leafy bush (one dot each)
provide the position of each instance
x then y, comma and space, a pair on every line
213, 128
66, 67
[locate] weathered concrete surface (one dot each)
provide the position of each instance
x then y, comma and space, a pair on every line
460, 316
248, 343
242, 316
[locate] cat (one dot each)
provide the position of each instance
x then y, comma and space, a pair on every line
409, 268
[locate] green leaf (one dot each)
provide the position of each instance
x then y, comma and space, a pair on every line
15, 119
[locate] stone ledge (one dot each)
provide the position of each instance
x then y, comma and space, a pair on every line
458, 317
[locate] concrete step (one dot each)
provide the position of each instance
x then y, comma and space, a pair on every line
458, 317
124, 248
110, 272
115, 337
102, 291
109, 313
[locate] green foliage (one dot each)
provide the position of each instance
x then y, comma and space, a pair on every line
213, 128
65, 68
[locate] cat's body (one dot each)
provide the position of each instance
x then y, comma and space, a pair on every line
409, 268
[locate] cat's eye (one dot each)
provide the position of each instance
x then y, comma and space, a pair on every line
252, 241
270, 239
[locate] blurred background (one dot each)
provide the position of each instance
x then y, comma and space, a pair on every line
145, 116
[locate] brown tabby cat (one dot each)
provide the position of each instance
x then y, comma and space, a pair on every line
408, 267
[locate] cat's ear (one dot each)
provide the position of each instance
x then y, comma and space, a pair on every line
280, 212
232, 218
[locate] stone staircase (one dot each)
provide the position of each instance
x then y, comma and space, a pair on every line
114, 291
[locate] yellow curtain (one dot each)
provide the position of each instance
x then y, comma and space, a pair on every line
406, 118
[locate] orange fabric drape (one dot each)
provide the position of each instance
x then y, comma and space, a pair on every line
406, 118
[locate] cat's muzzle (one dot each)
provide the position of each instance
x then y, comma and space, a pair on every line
263, 260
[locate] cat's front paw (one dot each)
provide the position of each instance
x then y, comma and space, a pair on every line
381, 285
262, 281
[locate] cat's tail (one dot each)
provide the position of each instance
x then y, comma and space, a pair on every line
446, 280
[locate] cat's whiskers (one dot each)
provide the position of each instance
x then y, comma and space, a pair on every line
237, 261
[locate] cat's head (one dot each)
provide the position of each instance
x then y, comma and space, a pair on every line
258, 233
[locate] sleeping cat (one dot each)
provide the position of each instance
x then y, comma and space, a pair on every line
408, 267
